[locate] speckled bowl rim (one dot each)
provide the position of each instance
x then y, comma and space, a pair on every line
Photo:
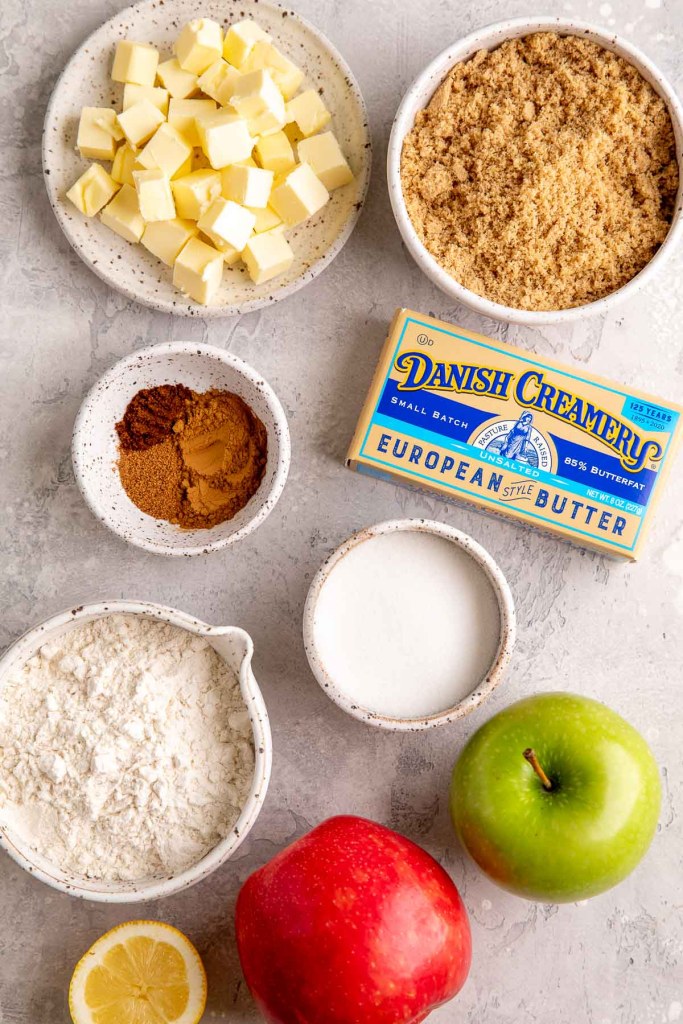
152, 889
217, 312
278, 439
417, 96
506, 643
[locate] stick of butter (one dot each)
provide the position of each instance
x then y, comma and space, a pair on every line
517, 434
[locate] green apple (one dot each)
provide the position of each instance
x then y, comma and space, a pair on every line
556, 798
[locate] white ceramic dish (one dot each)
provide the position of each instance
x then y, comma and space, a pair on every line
130, 268
94, 445
235, 647
418, 96
504, 648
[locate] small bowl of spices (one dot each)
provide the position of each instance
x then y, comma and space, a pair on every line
181, 449
533, 170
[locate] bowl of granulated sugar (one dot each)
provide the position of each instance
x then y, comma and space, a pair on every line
408, 625
533, 170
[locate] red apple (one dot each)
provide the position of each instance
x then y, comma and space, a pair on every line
352, 924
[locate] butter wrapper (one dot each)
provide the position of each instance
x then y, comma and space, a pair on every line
516, 434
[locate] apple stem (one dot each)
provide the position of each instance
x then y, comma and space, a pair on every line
530, 755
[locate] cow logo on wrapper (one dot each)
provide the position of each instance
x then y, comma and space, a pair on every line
516, 434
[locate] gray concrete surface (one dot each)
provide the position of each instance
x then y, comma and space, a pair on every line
599, 628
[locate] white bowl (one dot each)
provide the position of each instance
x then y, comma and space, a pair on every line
418, 96
130, 268
235, 647
94, 445
506, 640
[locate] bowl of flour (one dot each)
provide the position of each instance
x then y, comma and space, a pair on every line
135, 750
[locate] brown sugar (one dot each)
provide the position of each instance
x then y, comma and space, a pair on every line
191, 459
543, 174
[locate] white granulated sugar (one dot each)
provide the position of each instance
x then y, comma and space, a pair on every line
407, 624
126, 749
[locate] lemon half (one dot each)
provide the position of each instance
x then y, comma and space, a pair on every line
141, 972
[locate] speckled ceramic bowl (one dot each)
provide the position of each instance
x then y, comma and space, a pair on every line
506, 640
130, 268
94, 446
418, 96
236, 648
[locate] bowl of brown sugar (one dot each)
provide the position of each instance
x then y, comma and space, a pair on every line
533, 170
181, 449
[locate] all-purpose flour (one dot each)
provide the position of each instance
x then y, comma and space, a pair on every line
407, 624
125, 749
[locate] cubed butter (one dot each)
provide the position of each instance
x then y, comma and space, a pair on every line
249, 186
167, 150
227, 223
275, 153
323, 153
180, 84
154, 93
165, 238
199, 44
218, 81
97, 131
135, 62
185, 168
182, 114
267, 255
123, 215
264, 56
240, 39
266, 219
194, 192
258, 100
93, 190
125, 159
199, 159
224, 137
140, 122
299, 195
198, 270
308, 112
154, 195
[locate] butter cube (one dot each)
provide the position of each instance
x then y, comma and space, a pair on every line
286, 75
135, 62
299, 195
123, 215
154, 195
225, 222
180, 84
224, 137
165, 238
93, 190
140, 122
257, 99
308, 112
240, 39
267, 255
323, 153
198, 270
182, 114
185, 168
167, 150
134, 93
275, 153
199, 44
249, 186
195, 192
97, 131
266, 219
218, 81
125, 159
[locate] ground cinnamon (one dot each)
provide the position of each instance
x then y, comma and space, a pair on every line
190, 458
